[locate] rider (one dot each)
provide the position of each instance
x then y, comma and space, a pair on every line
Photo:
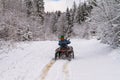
63, 43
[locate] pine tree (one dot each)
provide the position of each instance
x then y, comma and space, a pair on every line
3, 6
80, 16
29, 7
40, 9
74, 9
53, 23
69, 24
58, 13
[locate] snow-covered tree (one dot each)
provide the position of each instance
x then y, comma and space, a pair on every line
69, 24
79, 15
61, 24
40, 9
54, 20
83, 11
15, 25
3, 4
74, 9
106, 18
29, 7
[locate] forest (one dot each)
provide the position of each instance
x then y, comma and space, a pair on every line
26, 20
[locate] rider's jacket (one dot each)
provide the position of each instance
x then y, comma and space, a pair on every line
64, 43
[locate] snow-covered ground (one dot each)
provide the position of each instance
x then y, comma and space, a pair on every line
33, 61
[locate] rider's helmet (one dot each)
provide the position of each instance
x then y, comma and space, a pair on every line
62, 37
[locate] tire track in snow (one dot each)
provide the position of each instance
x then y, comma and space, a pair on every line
66, 71
46, 69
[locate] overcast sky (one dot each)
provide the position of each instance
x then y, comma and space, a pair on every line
53, 5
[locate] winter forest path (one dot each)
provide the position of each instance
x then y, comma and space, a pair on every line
33, 61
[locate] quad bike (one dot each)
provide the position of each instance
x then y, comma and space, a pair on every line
64, 53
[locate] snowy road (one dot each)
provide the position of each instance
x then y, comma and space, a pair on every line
33, 61
56, 70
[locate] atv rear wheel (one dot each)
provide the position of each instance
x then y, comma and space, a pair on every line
72, 55
57, 55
